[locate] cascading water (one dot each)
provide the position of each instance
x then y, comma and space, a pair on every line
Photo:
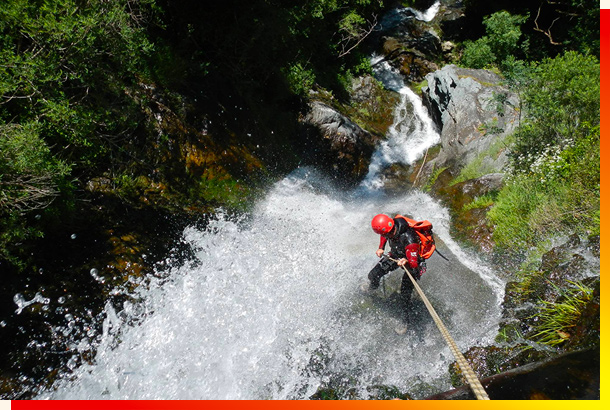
269, 308
411, 133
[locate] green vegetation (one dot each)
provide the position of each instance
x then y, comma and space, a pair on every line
436, 172
482, 201
502, 40
555, 159
558, 319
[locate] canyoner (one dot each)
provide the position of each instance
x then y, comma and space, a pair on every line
411, 243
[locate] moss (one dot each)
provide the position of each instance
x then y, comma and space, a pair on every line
478, 167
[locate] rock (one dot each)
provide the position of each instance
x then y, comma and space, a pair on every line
465, 105
470, 223
412, 46
452, 20
362, 89
337, 143
570, 376
560, 269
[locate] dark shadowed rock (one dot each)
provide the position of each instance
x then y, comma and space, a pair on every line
337, 143
571, 376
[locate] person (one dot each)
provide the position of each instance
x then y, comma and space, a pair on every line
404, 246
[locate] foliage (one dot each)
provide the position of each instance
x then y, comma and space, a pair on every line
555, 159
552, 28
66, 67
556, 320
562, 105
301, 80
436, 172
502, 40
29, 174
478, 54
527, 210
482, 201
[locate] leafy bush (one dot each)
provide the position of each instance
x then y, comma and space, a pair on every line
300, 79
30, 179
29, 175
555, 180
67, 68
502, 40
478, 54
561, 101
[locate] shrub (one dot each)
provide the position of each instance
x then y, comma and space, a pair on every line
502, 40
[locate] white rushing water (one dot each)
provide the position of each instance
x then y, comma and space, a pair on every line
429, 14
270, 308
412, 131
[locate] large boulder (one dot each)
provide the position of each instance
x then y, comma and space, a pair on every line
472, 110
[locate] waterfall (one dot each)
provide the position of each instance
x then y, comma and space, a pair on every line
269, 307
429, 14
411, 133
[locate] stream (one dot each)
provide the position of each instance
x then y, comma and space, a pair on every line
269, 307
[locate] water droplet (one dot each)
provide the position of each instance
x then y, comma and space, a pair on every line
73, 236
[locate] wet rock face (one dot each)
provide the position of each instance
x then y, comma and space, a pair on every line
560, 270
471, 223
337, 143
411, 45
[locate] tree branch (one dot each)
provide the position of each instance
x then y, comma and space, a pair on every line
548, 31
364, 33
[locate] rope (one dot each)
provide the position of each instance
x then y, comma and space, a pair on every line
471, 377
422, 167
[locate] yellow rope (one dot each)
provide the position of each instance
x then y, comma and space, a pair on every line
471, 377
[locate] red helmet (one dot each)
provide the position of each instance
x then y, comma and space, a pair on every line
382, 224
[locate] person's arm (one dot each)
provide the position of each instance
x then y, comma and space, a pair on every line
382, 242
